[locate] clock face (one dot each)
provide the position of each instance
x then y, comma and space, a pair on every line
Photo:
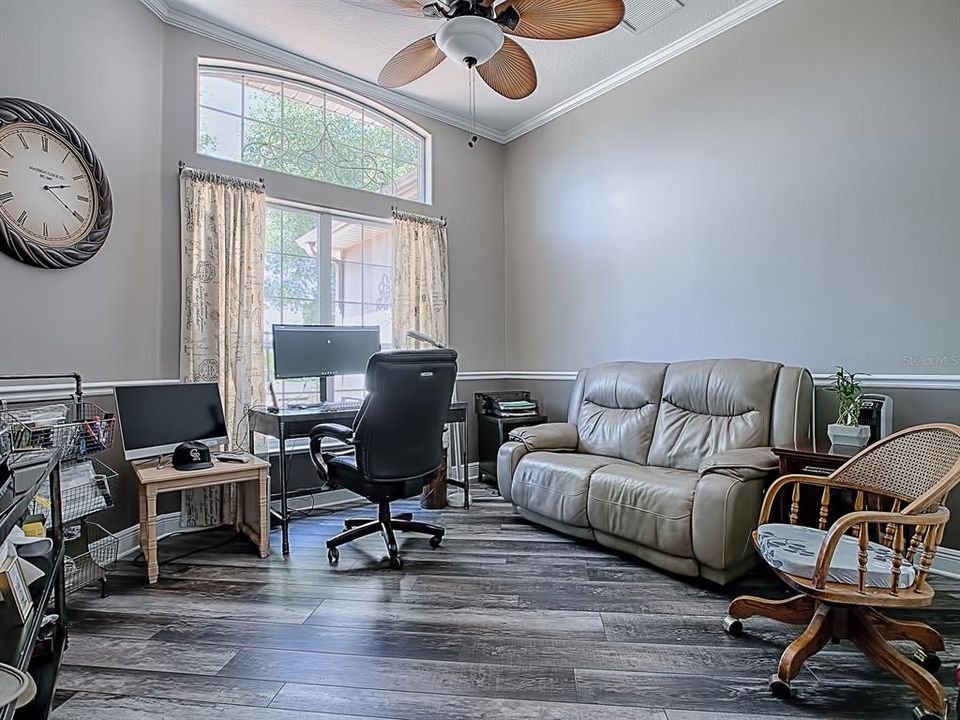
47, 192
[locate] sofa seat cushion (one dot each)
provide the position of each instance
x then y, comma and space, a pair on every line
651, 506
793, 549
554, 484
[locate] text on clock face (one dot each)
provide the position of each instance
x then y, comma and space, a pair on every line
46, 191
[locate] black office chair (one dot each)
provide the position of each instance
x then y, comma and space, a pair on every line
397, 443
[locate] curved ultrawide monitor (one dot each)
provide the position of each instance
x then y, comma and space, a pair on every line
154, 419
301, 351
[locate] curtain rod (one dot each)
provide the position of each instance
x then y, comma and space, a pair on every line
404, 215
181, 166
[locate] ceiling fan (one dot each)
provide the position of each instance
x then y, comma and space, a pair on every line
473, 34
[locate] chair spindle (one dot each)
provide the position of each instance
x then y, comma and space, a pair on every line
824, 507
897, 559
926, 558
795, 504
915, 540
891, 528
857, 507
862, 536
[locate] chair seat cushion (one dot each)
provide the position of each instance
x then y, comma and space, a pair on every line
650, 506
554, 484
343, 472
793, 549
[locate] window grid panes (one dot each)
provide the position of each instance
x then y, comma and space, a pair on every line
294, 128
324, 269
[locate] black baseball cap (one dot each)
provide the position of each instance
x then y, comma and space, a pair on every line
193, 455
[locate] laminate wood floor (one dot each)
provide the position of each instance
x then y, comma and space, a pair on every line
504, 620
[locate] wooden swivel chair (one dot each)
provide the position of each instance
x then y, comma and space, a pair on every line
396, 443
899, 486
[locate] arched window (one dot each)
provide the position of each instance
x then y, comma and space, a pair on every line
291, 125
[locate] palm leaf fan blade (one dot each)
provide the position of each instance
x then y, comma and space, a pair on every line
411, 63
564, 19
510, 72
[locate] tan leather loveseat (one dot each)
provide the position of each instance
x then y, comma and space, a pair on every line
666, 462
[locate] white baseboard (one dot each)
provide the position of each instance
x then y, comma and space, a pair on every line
947, 563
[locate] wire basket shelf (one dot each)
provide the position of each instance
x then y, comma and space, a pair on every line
90, 556
79, 429
86, 487
6, 440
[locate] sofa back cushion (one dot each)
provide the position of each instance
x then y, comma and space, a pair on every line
614, 407
710, 406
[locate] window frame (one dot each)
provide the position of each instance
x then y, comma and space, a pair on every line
425, 165
326, 217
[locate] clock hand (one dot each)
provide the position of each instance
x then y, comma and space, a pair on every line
58, 199
54, 187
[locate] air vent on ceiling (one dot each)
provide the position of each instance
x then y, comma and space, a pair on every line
644, 14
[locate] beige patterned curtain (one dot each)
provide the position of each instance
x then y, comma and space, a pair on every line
222, 238
420, 277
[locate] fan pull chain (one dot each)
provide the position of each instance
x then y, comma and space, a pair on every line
473, 108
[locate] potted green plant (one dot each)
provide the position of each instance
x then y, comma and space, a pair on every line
847, 430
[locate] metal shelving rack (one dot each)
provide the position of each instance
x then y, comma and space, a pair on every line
35, 458
17, 641
91, 551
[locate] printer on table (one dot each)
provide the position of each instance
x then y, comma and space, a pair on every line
511, 403
497, 414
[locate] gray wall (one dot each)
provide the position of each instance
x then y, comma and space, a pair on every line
726, 202
102, 318
117, 316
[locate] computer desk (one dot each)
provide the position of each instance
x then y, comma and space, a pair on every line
290, 423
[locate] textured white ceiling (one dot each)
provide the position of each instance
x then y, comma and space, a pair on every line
359, 41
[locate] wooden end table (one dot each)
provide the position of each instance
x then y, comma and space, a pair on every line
817, 457
251, 478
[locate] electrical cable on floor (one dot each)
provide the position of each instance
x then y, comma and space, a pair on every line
139, 561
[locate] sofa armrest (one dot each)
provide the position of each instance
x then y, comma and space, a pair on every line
548, 436
508, 457
741, 464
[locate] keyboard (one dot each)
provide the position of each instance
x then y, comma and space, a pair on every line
330, 406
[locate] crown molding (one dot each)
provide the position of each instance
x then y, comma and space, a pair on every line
292, 61
298, 63
687, 42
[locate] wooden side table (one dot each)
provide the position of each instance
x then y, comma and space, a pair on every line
251, 478
813, 458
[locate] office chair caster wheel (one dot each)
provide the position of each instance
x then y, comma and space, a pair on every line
333, 555
733, 626
780, 689
396, 562
930, 662
921, 713
435, 541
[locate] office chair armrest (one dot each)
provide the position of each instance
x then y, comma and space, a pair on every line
331, 430
317, 434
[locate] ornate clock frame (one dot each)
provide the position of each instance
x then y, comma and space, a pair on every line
27, 250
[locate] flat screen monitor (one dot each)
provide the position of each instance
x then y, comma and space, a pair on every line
154, 419
319, 350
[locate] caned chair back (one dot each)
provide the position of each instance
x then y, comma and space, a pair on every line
919, 465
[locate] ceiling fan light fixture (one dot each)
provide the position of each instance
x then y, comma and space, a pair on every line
470, 40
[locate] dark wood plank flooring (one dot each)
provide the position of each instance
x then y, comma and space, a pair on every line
504, 620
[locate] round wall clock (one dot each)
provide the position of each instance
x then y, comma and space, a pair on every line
55, 206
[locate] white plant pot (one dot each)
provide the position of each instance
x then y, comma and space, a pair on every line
849, 435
